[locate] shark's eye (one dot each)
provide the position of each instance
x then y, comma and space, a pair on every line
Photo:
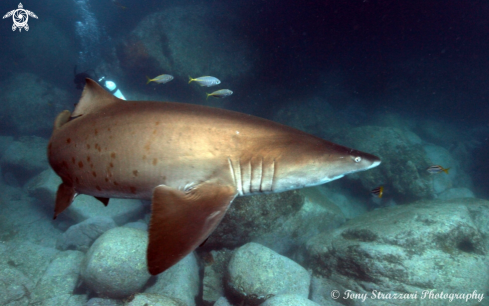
357, 159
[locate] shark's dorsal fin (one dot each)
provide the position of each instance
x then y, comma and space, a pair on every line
93, 98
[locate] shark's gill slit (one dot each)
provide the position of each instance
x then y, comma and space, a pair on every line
273, 176
231, 168
261, 175
250, 171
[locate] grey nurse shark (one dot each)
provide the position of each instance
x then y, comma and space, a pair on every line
191, 161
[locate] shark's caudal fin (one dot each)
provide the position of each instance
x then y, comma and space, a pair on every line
64, 197
93, 98
181, 221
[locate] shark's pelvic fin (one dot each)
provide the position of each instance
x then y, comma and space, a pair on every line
64, 197
181, 221
93, 98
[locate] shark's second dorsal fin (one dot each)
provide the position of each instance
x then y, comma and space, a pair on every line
93, 98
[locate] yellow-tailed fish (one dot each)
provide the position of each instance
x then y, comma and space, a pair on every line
161, 79
378, 191
437, 169
205, 81
221, 93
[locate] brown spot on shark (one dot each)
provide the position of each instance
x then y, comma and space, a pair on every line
196, 175
135, 172
80, 164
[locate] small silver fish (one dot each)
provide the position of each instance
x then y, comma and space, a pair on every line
437, 169
221, 93
161, 79
205, 81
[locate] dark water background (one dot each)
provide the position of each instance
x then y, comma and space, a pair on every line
421, 59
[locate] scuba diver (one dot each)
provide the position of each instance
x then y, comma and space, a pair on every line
111, 86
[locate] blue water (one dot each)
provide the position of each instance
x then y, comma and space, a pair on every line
407, 80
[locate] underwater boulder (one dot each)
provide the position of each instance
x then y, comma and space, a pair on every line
115, 265
179, 282
30, 104
256, 273
188, 40
250, 217
427, 245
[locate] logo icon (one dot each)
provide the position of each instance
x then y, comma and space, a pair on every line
20, 17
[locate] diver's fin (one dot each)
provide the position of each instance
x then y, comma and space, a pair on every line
64, 197
93, 98
104, 201
181, 221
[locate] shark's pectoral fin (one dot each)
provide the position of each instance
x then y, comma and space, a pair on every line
104, 201
181, 221
64, 197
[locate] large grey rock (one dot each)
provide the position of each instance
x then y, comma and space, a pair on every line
222, 301
455, 193
251, 217
81, 236
427, 245
115, 265
32, 104
43, 187
61, 277
188, 40
29, 258
321, 292
15, 286
25, 158
289, 235
314, 115
120, 210
145, 299
288, 300
215, 268
65, 299
5, 142
104, 302
256, 273
181, 281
